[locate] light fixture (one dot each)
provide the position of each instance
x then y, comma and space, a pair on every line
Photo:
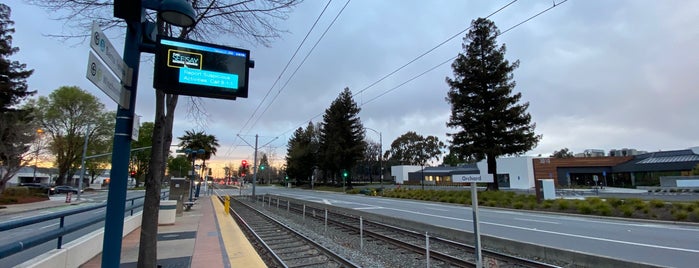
177, 12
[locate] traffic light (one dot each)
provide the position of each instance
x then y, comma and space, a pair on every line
344, 174
286, 178
262, 167
133, 173
244, 163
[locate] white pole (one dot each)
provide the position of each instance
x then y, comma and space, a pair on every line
361, 233
476, 231
427, 249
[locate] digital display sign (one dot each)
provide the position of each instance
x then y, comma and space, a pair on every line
186, 67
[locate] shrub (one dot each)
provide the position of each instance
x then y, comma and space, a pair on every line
547, 204
16, 191
626, 210
603, 209
531, 205
518, 205
680, 215
593, 200
615, 202
8, 200
562, 204
657, 203
585, 208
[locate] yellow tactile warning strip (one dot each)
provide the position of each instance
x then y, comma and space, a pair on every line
240, 252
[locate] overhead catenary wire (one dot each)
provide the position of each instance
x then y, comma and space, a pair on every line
454, 57
432, 68
281, 73
406, 64
302, 62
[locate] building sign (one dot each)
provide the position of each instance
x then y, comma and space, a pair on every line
473, 178
186, 67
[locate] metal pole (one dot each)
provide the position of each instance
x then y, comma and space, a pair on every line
361, 233
381, 162
82, 165
427, 249
114, 227
476, 231
36, 159
254, 167
191, 179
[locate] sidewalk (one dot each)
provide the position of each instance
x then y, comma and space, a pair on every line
203, 237
55, 201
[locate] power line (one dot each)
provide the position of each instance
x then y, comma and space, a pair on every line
302, 62
430, 50
454, 57
410, 62
282, 72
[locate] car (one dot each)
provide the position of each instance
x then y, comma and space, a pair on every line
61, 189
39, 187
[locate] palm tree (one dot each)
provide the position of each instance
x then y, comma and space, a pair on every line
194, 140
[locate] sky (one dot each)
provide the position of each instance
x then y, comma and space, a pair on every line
597, 74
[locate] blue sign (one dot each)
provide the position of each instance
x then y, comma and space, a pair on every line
604, 173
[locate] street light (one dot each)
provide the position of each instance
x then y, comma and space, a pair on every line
39, 133
180, 14
380, 156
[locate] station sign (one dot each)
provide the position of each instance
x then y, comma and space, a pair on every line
191, 68
100, 76
472, 178
106, 51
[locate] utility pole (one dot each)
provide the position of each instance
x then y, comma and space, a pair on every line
254, 164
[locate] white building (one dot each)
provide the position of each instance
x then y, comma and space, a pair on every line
513, 172
400, 173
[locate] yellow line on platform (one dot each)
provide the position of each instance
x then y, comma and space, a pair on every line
239, 250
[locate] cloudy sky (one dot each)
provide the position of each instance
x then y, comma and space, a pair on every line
597, 74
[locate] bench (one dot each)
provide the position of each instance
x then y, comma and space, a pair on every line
188, 205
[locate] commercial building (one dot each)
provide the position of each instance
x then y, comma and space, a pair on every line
623, 168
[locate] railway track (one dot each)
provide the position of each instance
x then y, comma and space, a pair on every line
442, 252
280, 246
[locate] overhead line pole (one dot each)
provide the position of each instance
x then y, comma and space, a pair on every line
254, 165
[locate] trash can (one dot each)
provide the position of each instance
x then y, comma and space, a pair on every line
168, 210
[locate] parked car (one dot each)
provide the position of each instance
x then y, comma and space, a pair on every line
38, 187
62, 189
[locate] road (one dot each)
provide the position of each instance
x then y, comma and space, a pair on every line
25, 231
657, 243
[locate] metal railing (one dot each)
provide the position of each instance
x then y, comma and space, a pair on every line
62, 230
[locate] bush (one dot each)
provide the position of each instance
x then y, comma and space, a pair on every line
603, 209
615, 202
626, 210
16, 191
547, 204
680, 215
657, 203
585, 208
562, 204
518, 205
8, 200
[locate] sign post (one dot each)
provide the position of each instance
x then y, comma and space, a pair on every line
473, 179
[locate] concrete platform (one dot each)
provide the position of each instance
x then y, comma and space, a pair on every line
203, 237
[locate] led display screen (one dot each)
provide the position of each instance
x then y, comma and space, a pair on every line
186, 67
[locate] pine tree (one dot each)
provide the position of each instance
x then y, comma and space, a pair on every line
16, 130
488, 117
342, 136
302, 150
13, 76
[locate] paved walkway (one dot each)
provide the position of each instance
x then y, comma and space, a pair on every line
203, 237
